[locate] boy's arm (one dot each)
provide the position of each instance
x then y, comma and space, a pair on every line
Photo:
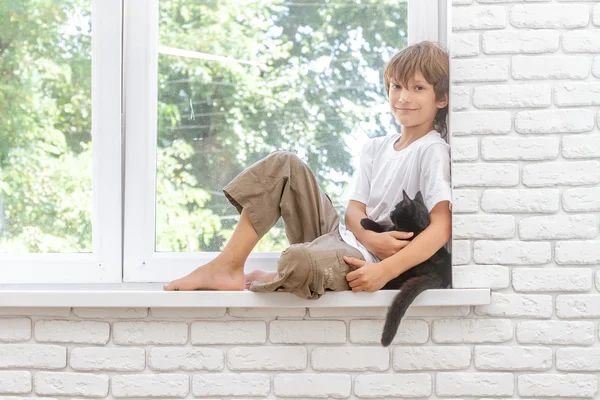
421, 248
354, 213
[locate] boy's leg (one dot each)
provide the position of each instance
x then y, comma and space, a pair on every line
278, 185
310, 269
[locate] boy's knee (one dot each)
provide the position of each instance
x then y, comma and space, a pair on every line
287, 157
294, 263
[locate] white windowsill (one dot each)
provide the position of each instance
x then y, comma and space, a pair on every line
151, 295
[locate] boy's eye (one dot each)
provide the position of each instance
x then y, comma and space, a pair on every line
396, 87
420, 87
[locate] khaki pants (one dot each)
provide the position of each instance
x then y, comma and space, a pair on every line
282, 185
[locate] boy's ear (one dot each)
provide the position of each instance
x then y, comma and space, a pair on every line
443, 102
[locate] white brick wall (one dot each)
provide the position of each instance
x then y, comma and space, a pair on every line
526, 170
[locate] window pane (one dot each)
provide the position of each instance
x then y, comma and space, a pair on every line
45, 141
236, 83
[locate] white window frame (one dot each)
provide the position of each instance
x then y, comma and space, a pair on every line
104, 263
141, 262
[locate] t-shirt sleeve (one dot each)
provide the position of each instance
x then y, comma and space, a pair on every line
435, 175
360, 186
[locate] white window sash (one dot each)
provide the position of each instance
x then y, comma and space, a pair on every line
104, 263
141, 262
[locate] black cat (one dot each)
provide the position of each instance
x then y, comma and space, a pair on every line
435, 273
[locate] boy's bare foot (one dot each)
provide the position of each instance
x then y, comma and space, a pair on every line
260, 276
216, 275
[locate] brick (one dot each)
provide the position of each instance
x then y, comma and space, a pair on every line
71, 384
474, 384
187, 313
581, 199
35, 356
578, 359
555, 332
581, 146
441, 311
514, 148
465, 44
150, 332
431, 358
479, 70
552, 279
229, 332
107, 359
380, 386
460, 97
570, 385
307, 331
517, 306
480, 276
598, 280
554, 121
368, 331
485, 174
185, 359
511, 252
513, 358
520, 200
15, 382
102, 313
465, 201
481, 123
328, 312
491, 17
549, 16
550, 67
36, 311
582, 252
15, 329
350, 359
596, 14
461, 2
580, 226
461, 252
596, 67
275, 312
521, 41
247, 384
313, 385
512, 96
268, 358
467, 330
577, 94
465, 149
483, 226
561, 173
150, 385
578, 306
581, 41
92, 332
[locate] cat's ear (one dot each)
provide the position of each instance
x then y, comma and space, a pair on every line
419, 198
405, 197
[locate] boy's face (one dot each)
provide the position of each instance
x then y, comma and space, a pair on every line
414, 105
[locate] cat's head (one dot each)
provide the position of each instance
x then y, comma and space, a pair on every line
413, 210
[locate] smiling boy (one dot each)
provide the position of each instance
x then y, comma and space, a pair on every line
324, 255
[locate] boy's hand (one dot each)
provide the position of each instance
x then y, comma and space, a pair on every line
386, 244
367, 277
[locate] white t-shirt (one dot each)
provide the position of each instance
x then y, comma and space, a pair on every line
384, 172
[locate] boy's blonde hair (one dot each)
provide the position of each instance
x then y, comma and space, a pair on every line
431, 60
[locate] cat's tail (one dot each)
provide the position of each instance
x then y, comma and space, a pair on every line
409, 291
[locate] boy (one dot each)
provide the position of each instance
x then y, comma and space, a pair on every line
323, 255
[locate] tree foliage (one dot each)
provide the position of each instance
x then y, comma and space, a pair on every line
298, 76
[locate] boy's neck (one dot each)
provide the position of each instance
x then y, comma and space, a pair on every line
410, 134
